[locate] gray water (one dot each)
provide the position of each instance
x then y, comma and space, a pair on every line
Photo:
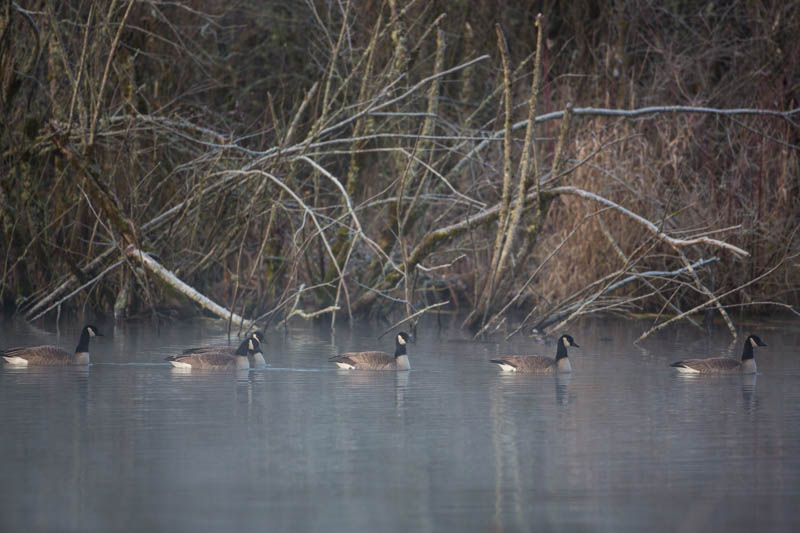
622, 444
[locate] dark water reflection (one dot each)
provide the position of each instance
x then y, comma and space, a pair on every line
131, 444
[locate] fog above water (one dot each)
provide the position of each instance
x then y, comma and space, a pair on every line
622, 444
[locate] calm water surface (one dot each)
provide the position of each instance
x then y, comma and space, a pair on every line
621, 445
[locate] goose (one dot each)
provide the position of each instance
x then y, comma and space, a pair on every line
52, 355
257, 356
376, 360
723, 365
219, 358
538, 363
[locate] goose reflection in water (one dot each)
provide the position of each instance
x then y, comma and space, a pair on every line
749, 398
363, 385
562, 389
401, 382
747, 385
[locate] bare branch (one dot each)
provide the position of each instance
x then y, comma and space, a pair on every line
172, 280
647, 224
696, 308
411, 317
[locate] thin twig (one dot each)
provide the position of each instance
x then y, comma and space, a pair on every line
101, 90
410, 317
696, 308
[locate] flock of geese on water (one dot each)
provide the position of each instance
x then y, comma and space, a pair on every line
215, 357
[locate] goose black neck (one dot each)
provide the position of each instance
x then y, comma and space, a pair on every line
243, 347
83, 343
747, 353
561, 352
400, 349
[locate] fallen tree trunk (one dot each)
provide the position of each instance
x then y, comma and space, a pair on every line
172, 280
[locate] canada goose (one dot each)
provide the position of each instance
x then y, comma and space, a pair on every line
377, 360
723, 365
257, 356
538, 363
52, 355
219, 358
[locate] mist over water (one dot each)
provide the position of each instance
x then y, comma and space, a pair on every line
622, 444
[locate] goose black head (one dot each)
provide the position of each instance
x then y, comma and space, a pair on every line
567, 340
92, 331
755, 340
400, 342
402, 338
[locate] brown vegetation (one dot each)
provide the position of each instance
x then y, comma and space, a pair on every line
365, 157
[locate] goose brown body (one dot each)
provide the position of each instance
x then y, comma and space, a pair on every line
539, 364
220, 359
720, 365
48, 355
41, 356
257, 357
723, 365
376, 360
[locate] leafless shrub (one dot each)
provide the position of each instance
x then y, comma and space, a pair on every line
350, 156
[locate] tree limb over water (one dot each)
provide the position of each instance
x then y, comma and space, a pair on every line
173, 281
327, 179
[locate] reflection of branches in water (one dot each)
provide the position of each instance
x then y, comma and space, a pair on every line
506, 457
